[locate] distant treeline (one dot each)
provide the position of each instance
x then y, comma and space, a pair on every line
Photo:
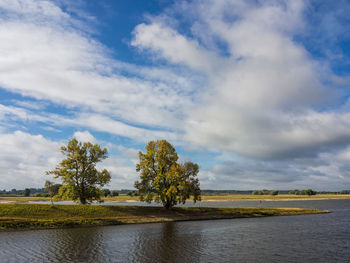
265, 192
269, 192
41, 192
303, 192
216, 192
15, 192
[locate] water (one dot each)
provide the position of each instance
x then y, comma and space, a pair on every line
307, 238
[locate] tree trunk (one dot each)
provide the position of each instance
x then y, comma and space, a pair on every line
168, 204
83, 200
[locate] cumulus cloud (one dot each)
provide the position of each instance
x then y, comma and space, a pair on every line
122, 168
84, 136
324, 172
264, 100
24, 159
46, 57
174, 47
10, 115
236, 76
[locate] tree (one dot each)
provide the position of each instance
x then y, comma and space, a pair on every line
52, 189
80, 178
106, 192
294, 192
26, 192
163, 179
114, 193
309, 192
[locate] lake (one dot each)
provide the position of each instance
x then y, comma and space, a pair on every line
307, 238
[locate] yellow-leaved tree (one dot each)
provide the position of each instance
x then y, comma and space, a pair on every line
163, 179
81, 181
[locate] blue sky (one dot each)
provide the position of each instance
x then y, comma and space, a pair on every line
255, 92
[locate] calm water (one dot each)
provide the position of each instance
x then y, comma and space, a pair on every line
308, 238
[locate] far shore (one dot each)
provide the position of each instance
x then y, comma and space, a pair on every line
42, 216
205, 198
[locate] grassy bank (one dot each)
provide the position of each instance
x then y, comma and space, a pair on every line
223, 197
22, 216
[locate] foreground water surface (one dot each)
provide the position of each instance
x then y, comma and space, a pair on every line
307, 238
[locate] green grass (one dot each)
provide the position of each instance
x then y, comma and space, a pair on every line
23, 198
18, 216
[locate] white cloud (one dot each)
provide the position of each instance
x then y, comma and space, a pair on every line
122, 170
98, 122
237, 81
53, 60
84, 136
174, 47
263, 100
24, 159
323, 172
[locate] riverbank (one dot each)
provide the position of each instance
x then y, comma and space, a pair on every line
205, 198
281, 197
35, 216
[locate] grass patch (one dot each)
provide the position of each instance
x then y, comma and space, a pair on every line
19, 216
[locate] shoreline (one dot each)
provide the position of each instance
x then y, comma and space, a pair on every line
35, 216
270, 200
199, 202
205, 198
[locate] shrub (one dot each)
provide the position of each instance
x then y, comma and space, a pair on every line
114, 193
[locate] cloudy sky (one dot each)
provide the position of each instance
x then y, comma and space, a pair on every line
255, 91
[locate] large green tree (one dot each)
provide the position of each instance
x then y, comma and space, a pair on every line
163, 179
81, 181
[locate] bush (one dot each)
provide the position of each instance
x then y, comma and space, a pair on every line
303, 192
265, 192
26, 192
132, 193
114, 193
294, 192
106, 192
40, 195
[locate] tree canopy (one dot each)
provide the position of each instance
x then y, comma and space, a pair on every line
26, 192
80, 178
163, 179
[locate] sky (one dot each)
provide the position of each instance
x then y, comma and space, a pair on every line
254, 91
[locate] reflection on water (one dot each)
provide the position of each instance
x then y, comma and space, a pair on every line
73, 246
169, 242
309, 238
